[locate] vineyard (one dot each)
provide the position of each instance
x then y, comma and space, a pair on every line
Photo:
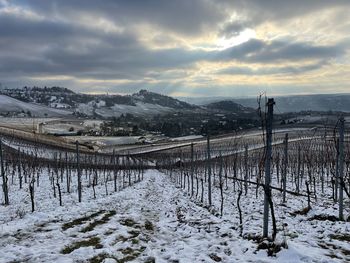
262, 196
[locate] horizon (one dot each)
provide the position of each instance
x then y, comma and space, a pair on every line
183, 48
201, 99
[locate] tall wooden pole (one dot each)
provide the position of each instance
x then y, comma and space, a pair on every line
341, 167
78, 171
246, 169
4, 177
269, 120
192, 169
285, 167
209, 170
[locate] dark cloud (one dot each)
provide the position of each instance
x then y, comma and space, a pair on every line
60, 42
186, 17
288, 9
81, 52
272, 70
257, 11
258, 51
233, 28
183, 16
278, 50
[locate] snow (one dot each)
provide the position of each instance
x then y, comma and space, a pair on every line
24, 123
106, 140
180, 229
85, 109
156, 219
8, 104
224, 145
140, 109
185, 138
92, 123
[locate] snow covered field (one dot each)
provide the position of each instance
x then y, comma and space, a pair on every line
8, 104
155, 221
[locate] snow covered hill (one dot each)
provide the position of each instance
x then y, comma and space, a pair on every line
145, 96
13, 107
139, 109
142, 103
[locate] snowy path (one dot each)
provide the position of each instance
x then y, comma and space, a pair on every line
145, 222
151, 221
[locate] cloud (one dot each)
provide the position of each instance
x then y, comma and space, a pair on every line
258, 51
81, 52
290, 70
233, 28
183, 16
260, 11
94, 44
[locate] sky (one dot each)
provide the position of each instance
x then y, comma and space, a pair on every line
194, 48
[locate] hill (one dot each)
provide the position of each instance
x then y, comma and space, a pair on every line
13, 107
162, 100
229, 106
291, 103
142, 103
319, 102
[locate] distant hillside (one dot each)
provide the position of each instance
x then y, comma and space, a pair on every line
204, 100
142, 103
323, 102
57, 97
229, 106
13, 107
162, 100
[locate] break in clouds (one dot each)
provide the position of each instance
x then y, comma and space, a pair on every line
184, 48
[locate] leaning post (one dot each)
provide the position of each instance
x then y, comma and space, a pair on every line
269, 120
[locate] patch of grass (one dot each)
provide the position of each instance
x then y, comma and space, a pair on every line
127, 222
91, 242
228, 251
150, 260
149, 225
126, 251
255, 238
81, 220
100, 258
333, 256
41, 225
128, 258
215, 257
135, 241
101, 221
340, 237
121, 239
43, 230
272, 247
333, 247
324, 218
134, 233
130, 254
21, 235
345, 251
109, 232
